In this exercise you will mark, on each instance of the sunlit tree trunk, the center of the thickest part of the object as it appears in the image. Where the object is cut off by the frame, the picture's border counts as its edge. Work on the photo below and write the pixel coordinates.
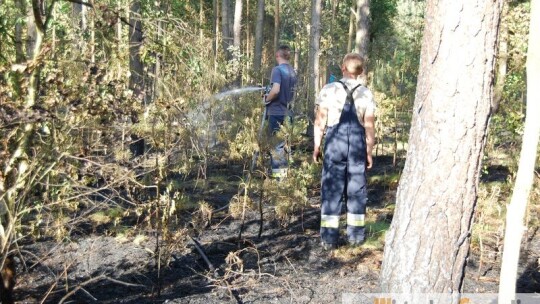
(515, 215)
(351, 31)
(428, 242)
(237, 29)
(259, 30)
(276, 24)
(314, 52)
(248, 44)
(237, 24)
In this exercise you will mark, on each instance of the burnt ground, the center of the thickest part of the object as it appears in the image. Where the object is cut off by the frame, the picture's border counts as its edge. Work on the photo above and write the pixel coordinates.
(285, 265)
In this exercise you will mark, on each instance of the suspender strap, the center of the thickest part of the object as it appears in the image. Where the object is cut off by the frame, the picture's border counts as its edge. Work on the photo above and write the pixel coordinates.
(349, 99)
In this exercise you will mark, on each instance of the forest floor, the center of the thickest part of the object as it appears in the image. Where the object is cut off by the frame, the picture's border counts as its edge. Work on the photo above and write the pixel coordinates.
(285, 265)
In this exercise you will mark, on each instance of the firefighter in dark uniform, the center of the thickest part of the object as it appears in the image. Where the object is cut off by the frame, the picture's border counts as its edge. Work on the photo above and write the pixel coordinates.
(346, 110)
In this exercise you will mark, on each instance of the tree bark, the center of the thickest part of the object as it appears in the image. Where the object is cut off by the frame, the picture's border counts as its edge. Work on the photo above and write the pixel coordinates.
(351, 32)
(237, 29)
(428, 241)
(276, 24)
(19, 45)
(136, 79)
(226, 38)
(362, 27)
(502, 61)
(136, 68)
(259, 30)
(515, 215)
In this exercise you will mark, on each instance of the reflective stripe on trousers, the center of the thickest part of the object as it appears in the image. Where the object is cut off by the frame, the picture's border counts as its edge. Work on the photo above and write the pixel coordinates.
(343, 177)
(279, 158)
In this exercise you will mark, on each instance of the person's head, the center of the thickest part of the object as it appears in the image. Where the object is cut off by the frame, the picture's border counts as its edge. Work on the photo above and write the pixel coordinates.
(353, 64)
(283, 53)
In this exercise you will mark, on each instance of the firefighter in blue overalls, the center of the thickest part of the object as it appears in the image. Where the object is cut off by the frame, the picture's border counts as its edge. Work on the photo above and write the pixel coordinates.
(347, 110)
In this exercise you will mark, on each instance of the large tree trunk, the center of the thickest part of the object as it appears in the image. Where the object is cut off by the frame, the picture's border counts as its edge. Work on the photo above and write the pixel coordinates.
(428, 241)
(362, 27)
(259, 29)
(226, 38)
(276, 24)
(515, 215)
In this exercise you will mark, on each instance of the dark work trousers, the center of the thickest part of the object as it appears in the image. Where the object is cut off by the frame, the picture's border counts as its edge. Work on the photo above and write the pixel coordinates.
(278, 155)
(344, 178)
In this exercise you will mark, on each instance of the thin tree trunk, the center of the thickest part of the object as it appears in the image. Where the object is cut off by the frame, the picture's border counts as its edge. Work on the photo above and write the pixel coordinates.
(515, 215)
(238, 39)
(351, 31)
(502, 60)
(276, 24)
(30, 33)
(248, 45)
(226, 34)
(216, 30)
(92, 34)
(79, 22)
(314, 52)
(19, 45)
(136, 79)
(259, 30)
(428, 242)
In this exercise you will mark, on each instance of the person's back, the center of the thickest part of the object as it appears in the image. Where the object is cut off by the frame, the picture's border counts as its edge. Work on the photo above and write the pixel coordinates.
(348, 110)
(283, 79)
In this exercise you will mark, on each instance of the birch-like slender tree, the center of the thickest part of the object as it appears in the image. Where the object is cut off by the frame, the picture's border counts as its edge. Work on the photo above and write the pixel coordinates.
(515, 214)
(237, 42)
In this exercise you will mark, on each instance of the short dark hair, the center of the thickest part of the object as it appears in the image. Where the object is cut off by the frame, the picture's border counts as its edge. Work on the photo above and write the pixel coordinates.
(284, 51)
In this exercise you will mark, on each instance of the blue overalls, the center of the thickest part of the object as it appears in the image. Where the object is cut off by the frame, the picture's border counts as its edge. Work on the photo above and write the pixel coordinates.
(344, 175)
